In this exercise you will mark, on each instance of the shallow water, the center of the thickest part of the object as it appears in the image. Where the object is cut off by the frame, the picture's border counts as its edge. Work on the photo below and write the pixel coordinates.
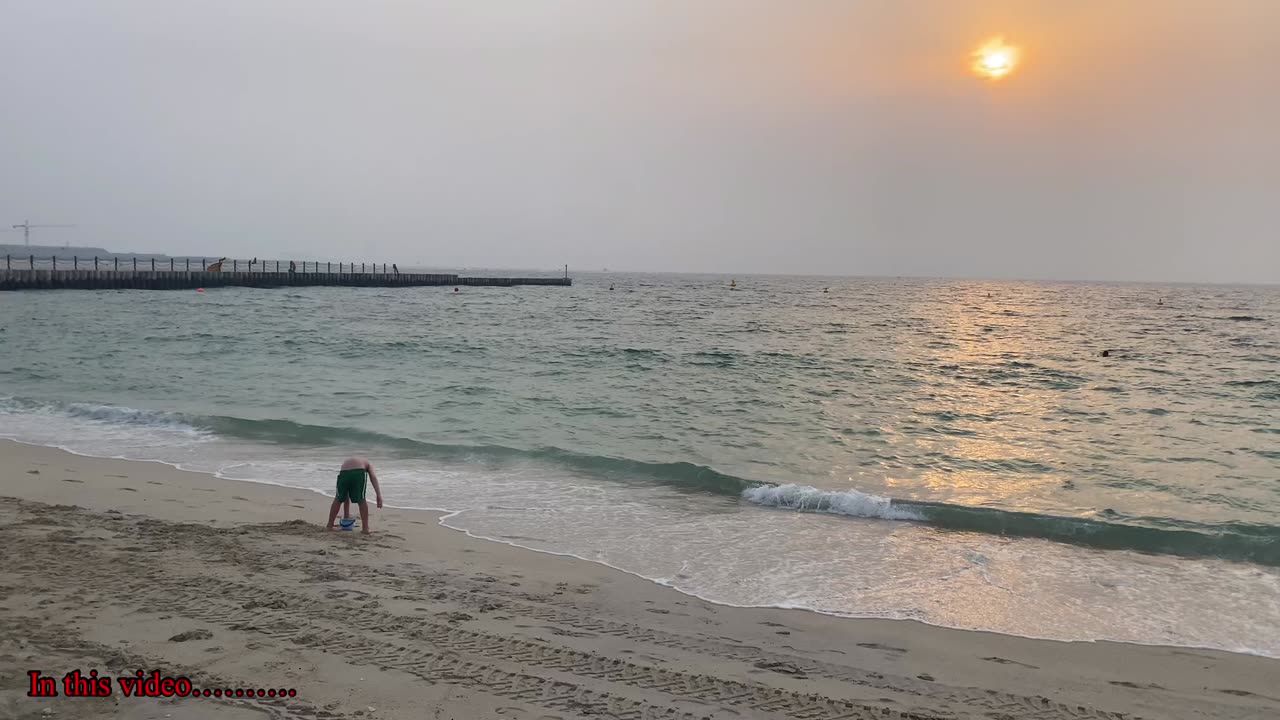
(952, 451)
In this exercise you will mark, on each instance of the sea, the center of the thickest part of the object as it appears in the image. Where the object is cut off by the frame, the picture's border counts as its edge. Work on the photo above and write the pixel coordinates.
(954, 452)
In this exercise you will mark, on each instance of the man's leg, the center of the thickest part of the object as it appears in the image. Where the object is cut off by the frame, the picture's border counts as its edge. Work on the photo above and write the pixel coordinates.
(333, 512)
(346, 509)
(364, 516)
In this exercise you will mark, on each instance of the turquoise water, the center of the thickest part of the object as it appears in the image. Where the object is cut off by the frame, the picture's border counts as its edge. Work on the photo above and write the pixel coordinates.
(950, 451)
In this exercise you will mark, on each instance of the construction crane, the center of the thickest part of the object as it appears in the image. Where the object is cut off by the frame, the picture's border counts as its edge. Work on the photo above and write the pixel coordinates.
(26, 229)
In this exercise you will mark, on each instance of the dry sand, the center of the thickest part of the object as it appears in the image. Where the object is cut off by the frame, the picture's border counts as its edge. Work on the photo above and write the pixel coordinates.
(108, 563)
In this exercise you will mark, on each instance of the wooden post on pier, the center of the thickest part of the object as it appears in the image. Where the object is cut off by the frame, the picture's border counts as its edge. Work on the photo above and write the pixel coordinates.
(55, 262)
(135, 264)
(75, 262)
(95, 262)
(117, 260)
(153, 264)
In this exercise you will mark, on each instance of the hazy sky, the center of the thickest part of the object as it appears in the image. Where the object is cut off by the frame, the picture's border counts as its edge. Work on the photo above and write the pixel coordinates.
(1139, 139)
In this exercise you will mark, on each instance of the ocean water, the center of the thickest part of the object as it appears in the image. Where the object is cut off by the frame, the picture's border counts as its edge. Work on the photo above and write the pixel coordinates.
(954, 452)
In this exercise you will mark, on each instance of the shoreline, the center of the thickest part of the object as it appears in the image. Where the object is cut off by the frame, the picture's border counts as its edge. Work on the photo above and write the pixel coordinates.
(426, 595)
(444, 514)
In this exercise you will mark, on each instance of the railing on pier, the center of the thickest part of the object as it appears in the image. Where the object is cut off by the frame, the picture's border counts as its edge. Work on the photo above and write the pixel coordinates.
(190, 264)
(192, 273)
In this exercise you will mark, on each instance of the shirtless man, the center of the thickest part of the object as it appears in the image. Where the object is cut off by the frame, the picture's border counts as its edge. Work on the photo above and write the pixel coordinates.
(351, 479)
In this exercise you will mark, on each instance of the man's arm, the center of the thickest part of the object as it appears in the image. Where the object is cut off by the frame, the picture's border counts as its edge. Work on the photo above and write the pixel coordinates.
(373, 479)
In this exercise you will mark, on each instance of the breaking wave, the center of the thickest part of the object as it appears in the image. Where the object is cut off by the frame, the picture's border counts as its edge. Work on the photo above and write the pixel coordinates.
(1107, 530)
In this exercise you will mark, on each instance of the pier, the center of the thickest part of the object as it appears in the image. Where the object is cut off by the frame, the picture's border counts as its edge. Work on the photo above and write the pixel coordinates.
(110, 274)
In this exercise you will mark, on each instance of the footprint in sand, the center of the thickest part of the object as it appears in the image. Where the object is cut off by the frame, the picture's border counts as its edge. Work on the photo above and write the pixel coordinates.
(72, 480)
(129, 489)
(1243, 693)
(569, 633)
(237, 497)
(783, 667)
(885, 648)
(153, 482)
(1004, 661)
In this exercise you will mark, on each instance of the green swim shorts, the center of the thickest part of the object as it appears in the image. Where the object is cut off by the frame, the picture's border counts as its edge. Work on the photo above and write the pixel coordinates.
(351, 485)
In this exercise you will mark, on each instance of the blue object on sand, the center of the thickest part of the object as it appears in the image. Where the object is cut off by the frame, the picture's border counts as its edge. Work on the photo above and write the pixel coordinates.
(347, 523)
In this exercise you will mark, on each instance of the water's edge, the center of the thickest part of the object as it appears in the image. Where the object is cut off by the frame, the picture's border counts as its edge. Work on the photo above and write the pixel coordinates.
(1105, 530)
(444, 515)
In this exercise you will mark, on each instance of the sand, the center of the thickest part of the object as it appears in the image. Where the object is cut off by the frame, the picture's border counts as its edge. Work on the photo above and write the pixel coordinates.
(119, 566)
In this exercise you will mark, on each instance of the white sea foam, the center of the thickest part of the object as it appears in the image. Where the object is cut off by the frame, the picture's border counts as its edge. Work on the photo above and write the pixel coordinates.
(100, 430)
(115, 414)
(845, 502)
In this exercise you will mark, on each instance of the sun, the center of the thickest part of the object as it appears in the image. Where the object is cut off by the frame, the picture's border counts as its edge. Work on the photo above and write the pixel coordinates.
(995, 59)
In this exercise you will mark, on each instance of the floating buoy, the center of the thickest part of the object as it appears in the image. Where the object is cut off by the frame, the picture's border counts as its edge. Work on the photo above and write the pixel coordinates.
(199, 289)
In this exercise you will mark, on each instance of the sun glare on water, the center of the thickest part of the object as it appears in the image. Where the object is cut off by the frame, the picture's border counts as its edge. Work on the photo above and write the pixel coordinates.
(995, 59)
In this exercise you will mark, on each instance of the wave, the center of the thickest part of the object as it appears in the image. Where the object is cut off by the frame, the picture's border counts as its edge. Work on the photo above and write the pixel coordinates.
(1240, 542)
(848, 502)
(110, 414)
(681, 475)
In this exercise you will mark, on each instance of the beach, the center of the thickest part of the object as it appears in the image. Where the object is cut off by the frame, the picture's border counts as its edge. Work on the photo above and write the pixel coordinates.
(827, 361)
(947, 451)
(119, 566)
